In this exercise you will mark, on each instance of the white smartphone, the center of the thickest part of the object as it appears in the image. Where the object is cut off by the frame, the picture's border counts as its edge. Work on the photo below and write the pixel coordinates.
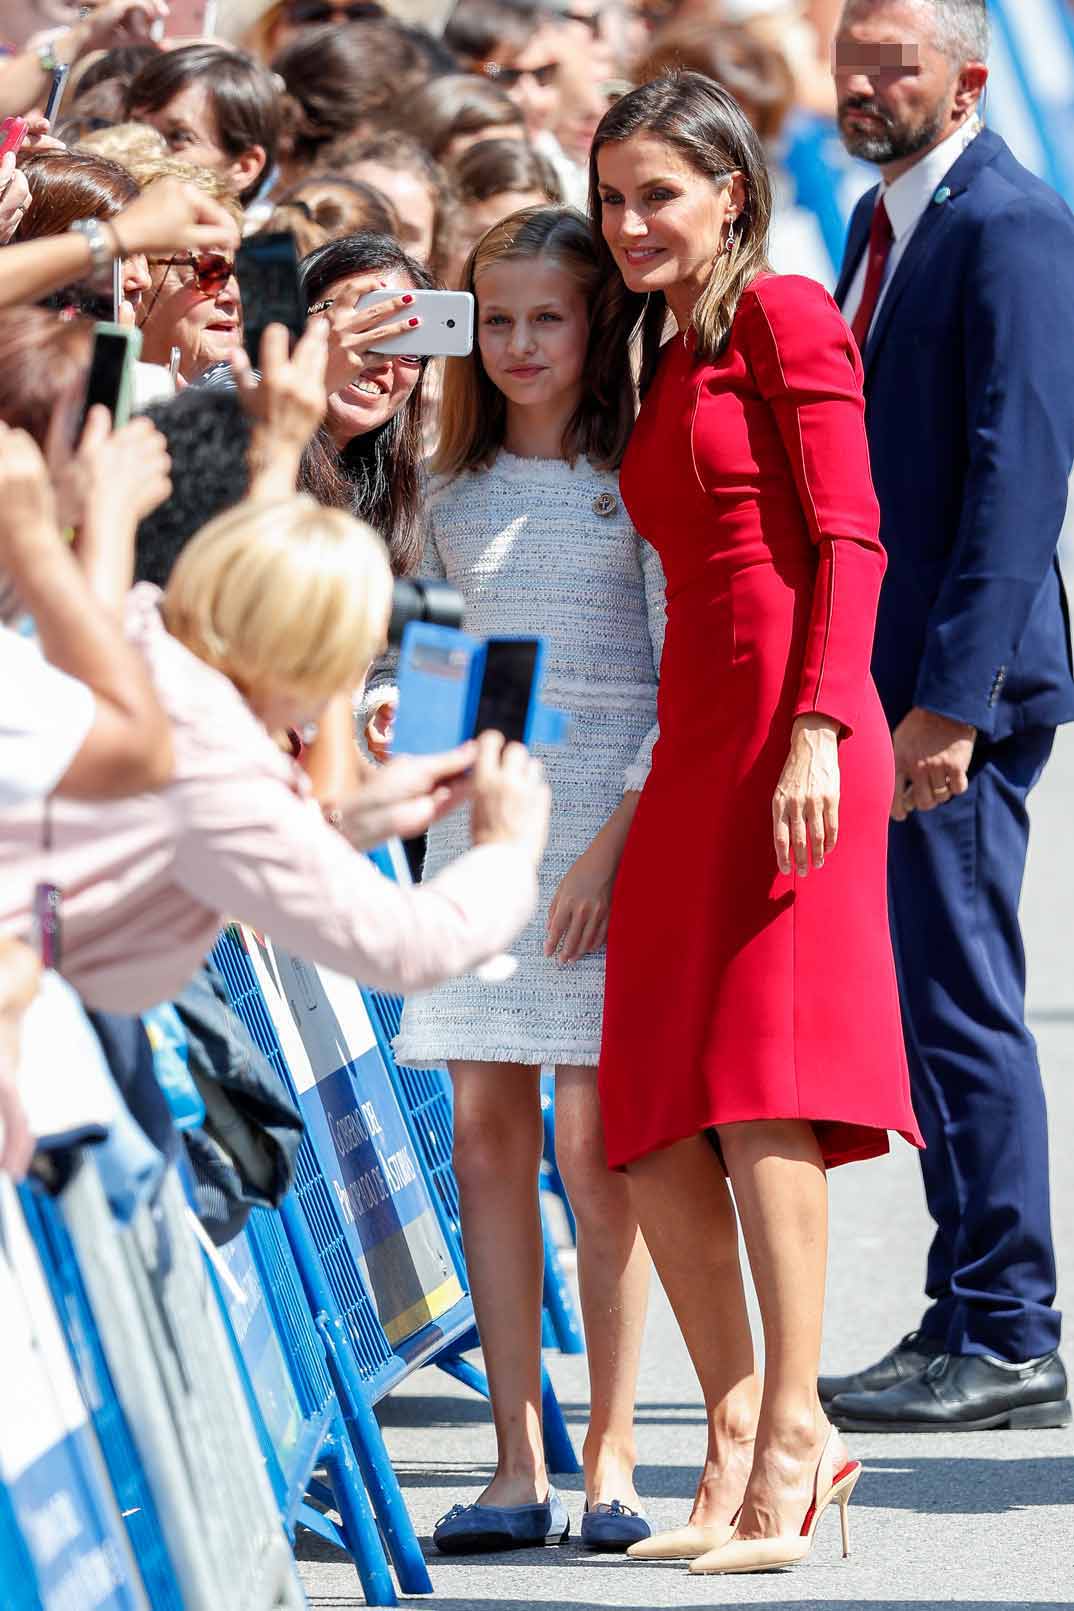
(447, 323)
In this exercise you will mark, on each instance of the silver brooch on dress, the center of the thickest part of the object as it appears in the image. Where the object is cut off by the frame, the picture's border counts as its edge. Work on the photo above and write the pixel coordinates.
(605, 503)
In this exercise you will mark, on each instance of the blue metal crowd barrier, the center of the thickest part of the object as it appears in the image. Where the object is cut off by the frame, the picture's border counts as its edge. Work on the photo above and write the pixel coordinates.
(62, 1541)
(126, 1473)
(364, 1365)
(300, 1420)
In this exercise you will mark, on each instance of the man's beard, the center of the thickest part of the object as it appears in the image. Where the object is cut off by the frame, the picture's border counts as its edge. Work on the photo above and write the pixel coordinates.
(891, 143)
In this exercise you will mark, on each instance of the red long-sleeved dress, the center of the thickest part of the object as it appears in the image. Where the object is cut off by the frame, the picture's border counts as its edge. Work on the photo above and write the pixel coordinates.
(734, 992)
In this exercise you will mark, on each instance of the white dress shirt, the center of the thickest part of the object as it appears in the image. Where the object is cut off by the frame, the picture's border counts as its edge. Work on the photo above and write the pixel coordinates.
(907, 199)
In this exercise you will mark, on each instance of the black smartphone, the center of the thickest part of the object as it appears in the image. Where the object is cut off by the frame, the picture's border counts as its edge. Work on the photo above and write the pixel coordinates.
(55, 95)
(508, 688)
(111, 373)
(266, 268)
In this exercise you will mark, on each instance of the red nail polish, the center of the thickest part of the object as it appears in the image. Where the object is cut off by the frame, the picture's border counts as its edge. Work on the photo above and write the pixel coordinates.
(408, 298)
(413, 322)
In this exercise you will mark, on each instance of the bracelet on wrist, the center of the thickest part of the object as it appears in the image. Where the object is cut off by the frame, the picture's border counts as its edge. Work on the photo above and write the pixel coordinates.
(92, 231)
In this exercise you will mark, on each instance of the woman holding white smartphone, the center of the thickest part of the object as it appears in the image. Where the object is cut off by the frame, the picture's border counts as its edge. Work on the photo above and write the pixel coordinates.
(367, 456)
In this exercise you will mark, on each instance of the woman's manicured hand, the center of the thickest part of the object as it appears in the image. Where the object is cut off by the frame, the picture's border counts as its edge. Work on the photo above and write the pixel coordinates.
(353, 333)
(805, 806)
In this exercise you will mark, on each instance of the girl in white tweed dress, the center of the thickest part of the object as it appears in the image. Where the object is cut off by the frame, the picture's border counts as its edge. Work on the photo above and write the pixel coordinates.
(526, 521)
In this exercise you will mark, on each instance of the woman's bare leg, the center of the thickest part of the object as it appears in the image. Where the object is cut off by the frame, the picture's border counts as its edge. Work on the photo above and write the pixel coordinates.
(498, 1143)
(781, 1190)
(688, 1222)
(613, 1280)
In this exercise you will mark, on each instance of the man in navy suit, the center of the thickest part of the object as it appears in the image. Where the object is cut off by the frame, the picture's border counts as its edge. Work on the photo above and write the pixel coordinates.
(958, 283)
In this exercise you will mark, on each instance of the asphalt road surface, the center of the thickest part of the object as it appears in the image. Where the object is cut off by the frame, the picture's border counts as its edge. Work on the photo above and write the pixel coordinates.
(974, 1520)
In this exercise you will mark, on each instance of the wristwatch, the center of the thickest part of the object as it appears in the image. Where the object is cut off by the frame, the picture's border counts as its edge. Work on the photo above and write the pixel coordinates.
(102, 251)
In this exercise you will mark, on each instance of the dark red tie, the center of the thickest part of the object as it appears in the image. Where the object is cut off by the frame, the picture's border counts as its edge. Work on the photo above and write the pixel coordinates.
(880, 239)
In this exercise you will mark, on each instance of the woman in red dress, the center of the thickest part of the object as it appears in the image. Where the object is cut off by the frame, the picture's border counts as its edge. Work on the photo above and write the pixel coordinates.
(752, 1025)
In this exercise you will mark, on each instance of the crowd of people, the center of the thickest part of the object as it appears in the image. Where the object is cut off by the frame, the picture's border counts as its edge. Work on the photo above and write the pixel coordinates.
(793, 559)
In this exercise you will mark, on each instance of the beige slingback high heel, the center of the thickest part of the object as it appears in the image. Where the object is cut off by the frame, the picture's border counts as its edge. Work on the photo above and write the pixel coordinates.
(765, 1554)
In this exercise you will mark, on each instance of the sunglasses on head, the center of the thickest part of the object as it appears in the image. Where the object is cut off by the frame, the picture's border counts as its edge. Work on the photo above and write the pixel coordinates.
(508, 77)
(312, 11)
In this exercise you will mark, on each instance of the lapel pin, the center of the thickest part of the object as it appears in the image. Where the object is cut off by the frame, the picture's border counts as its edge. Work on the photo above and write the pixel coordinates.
(605, 503)
(942, 195)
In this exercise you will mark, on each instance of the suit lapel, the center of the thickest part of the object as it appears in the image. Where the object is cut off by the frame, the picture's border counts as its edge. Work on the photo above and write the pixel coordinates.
(857, 240)
(929, 233)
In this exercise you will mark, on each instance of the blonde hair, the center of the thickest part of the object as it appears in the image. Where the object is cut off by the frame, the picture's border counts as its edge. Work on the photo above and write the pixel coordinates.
(145, 171)
(283, 596)
(474, 411)
(126, 143)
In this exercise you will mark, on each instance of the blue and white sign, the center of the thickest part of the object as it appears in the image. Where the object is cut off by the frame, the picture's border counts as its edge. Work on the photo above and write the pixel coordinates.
(49, 1461)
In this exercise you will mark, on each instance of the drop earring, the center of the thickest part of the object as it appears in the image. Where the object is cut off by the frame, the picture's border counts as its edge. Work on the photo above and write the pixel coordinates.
(730, 241)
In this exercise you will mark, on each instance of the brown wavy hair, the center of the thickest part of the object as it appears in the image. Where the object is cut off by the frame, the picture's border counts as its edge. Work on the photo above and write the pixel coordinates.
(706, 126)
(43, 360)
(474, 412)
(65, 185)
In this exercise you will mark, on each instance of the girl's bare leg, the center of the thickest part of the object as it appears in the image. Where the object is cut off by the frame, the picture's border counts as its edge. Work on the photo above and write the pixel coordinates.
(498, 1143)
(613, 1280)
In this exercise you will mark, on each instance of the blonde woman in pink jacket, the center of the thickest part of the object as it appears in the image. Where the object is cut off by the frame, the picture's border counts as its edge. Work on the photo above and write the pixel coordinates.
(272, 610)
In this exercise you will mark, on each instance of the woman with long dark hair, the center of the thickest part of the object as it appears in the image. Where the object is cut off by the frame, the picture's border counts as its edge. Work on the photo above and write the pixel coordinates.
(752, 1029)
(367, 455)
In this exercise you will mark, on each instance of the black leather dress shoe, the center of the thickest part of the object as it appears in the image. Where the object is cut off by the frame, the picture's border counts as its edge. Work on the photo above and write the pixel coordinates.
(909, 1358)
(963, 1393)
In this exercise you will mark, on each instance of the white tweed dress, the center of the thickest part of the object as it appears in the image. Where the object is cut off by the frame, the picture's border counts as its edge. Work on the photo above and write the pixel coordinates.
(527, 546)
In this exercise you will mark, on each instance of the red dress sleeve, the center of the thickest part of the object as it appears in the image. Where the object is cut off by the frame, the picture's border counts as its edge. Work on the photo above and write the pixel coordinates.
(807, 368)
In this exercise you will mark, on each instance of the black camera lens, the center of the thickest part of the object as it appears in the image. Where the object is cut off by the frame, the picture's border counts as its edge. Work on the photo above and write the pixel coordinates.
(451, 324)
(418, 598)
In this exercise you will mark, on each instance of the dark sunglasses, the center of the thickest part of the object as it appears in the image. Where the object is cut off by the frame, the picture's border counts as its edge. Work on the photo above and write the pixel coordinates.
(508, 77)
(212, 270)
(311, 11)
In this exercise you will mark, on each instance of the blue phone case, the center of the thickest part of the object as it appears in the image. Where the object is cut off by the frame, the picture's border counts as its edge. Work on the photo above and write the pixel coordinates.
(440, 673)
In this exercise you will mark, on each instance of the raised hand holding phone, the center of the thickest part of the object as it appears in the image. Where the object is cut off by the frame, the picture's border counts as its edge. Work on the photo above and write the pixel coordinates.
(287, 405)
(444, 327)
(357, 331)
(266, 267)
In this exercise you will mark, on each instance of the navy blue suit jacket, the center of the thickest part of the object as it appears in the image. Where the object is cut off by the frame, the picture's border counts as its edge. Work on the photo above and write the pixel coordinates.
(969, 385)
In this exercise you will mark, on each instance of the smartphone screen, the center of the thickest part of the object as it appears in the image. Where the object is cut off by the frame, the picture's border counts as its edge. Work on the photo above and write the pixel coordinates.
(267, 271)
(105, 382)
(507, 688)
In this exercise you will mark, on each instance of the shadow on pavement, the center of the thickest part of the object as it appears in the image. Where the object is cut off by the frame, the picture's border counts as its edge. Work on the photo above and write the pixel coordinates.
(442, 1603)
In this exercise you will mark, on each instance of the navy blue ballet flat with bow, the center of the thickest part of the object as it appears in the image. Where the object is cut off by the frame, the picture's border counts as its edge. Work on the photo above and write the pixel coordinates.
(486, 1529)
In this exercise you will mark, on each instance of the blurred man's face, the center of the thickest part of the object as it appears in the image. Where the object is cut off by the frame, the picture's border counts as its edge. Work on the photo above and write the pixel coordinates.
(895, 91)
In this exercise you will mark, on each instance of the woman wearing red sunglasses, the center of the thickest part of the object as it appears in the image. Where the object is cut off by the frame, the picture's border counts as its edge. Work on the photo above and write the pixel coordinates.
(194, 301)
